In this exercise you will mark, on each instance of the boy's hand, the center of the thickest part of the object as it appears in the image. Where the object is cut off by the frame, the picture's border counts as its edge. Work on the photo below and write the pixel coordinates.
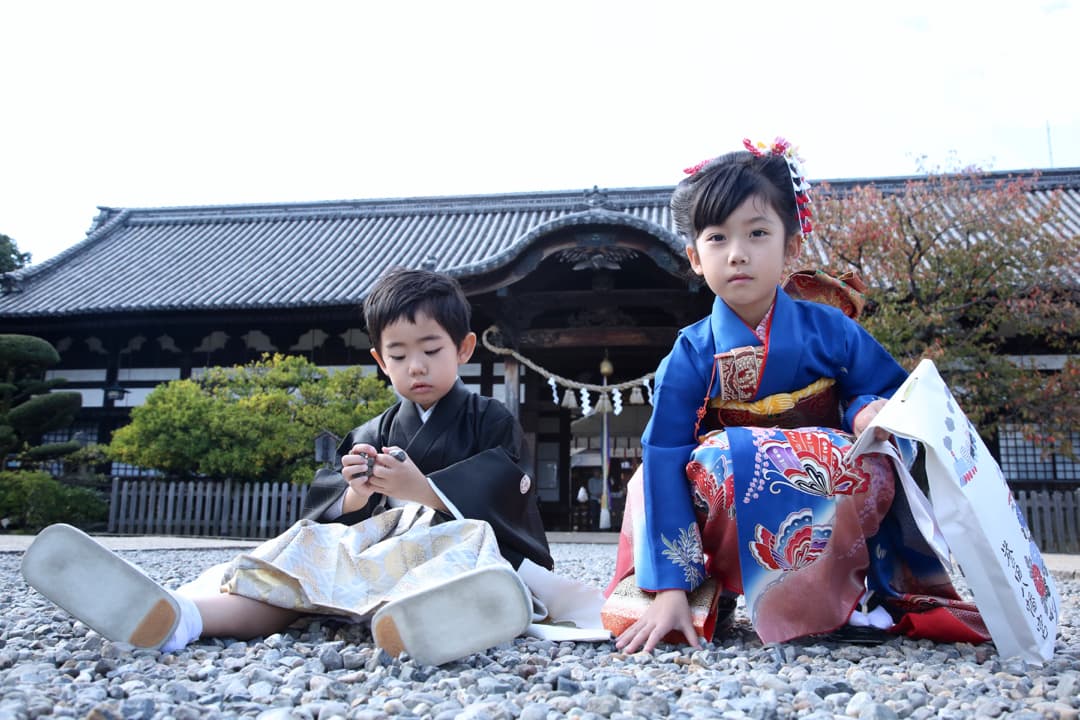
(356, 469)
(669, 610)
(395, 475)
(865, 416)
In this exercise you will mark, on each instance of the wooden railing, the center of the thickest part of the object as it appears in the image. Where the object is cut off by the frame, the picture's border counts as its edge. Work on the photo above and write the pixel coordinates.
(262, 510)
(203, 507)
(1053, 518)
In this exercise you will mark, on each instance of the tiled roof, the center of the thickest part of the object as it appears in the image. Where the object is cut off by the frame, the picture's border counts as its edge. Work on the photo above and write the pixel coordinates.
(293, 255)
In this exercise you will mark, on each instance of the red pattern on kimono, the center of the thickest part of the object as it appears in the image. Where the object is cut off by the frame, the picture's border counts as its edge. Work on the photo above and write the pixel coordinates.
(740, 373)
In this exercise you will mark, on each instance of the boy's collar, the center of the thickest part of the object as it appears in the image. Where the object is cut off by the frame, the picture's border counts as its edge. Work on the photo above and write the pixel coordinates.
(425, 414)
(457, 390)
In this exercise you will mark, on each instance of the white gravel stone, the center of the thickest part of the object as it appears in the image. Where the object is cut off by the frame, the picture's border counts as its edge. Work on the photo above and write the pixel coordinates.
(53, 666)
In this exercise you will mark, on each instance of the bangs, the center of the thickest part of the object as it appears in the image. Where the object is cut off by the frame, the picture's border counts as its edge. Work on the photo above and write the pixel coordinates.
(718, 196)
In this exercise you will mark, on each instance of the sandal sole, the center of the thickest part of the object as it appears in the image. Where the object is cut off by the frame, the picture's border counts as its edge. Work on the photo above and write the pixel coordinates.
(468, 614)
(99, 588)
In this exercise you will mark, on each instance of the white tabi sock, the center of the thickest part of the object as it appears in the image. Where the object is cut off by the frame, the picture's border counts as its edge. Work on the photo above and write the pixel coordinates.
(878, 618)
(190, 626)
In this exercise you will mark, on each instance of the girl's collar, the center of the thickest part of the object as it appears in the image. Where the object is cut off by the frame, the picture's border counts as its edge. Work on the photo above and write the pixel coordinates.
(729, 330)
(762, 329)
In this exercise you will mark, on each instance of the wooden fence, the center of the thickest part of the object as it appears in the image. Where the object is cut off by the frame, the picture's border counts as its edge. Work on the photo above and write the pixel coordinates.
(261, 510)
(203, 507)
(1053, 518)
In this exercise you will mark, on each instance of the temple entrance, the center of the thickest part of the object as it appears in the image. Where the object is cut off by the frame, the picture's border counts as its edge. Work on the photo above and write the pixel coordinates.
(582, 296)
(598, 480)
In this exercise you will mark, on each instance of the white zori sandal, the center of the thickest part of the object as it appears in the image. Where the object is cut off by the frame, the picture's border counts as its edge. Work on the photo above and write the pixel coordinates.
(99, 587)
(466, 614)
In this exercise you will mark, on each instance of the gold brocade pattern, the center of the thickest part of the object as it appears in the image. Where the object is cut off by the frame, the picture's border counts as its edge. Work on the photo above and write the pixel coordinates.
(817, 405)
(352, 570)
(441, 544)
(367, 570)
(846, 292)
(627, 603)
(774, 404)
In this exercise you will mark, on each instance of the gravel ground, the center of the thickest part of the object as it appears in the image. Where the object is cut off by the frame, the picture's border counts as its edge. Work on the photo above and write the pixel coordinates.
(52, 667)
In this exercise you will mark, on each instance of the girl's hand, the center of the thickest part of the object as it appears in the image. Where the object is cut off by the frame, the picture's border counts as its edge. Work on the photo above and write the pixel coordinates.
(865, 416)
(668, 611)
(356, 469)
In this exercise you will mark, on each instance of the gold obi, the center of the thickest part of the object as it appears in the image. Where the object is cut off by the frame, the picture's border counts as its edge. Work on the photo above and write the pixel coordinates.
(817, 404)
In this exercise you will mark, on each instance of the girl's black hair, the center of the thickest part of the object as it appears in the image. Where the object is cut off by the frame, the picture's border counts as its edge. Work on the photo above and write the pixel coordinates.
(711, 194)
(402, 293)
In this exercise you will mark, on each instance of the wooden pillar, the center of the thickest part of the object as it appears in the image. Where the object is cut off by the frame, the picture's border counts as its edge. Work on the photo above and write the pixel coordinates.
(512, 385)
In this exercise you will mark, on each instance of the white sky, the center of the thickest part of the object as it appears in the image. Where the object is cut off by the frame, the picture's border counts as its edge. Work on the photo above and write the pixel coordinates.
(148, 104)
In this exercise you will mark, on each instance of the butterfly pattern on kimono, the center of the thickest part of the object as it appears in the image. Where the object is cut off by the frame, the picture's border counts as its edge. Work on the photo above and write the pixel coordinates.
(796, 543)
(813, 464)
(713, 489)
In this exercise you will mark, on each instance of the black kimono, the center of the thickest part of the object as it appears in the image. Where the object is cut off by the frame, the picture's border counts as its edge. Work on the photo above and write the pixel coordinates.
(469, 448)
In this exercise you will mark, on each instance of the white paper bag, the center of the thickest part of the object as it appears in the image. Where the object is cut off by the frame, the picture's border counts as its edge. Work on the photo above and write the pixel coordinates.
(572, 607)
(977, 516)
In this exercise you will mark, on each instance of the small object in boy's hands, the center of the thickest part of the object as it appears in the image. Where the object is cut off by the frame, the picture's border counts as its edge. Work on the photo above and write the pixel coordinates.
(370, 464)
(398, 454)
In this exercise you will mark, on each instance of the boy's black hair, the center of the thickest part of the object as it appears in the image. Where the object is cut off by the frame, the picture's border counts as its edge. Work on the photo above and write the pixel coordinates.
(710, 195)
(402, 293)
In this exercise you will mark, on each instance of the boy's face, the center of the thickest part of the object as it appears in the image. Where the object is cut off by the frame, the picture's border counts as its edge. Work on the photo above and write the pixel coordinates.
(421, 359)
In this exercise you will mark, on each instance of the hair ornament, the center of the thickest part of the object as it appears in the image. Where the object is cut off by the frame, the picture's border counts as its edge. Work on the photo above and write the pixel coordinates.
(782, 148)
(695, 169)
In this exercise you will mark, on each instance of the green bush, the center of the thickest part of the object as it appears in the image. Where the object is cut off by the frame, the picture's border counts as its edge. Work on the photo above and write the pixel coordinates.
(255, 422)
(31, 500)
(27, 354)
(28, 406)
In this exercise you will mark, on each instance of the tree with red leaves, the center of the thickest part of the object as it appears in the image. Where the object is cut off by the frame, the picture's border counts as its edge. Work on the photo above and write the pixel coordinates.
(977, 273)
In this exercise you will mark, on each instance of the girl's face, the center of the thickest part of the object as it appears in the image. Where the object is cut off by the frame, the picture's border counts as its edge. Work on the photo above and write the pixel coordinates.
(743, 258)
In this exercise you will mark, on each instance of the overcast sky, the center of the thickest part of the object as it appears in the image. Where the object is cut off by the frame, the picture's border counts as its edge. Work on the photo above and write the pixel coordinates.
(149, 104)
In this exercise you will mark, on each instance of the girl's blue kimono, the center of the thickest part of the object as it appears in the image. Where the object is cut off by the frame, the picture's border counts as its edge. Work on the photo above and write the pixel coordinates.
(764, 504)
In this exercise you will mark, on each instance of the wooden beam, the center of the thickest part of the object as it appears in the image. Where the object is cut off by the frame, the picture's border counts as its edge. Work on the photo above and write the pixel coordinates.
(597, 337)
(578, 299)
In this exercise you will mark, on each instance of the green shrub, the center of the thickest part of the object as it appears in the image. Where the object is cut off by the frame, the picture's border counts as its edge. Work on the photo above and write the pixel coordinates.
(255, 422)
(31, 500)
(29, 407)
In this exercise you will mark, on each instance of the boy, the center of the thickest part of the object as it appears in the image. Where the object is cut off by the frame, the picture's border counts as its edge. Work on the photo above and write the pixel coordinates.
(465, 447)
(424, 523)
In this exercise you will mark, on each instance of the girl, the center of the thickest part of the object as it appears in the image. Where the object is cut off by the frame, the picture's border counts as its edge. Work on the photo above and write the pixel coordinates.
(772, 512)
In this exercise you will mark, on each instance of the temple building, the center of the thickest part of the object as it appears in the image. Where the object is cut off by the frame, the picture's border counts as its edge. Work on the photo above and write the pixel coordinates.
(559, 281)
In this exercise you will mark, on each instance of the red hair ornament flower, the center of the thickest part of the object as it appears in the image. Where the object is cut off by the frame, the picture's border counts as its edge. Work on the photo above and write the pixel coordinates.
(782, 148)
(695, 169)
